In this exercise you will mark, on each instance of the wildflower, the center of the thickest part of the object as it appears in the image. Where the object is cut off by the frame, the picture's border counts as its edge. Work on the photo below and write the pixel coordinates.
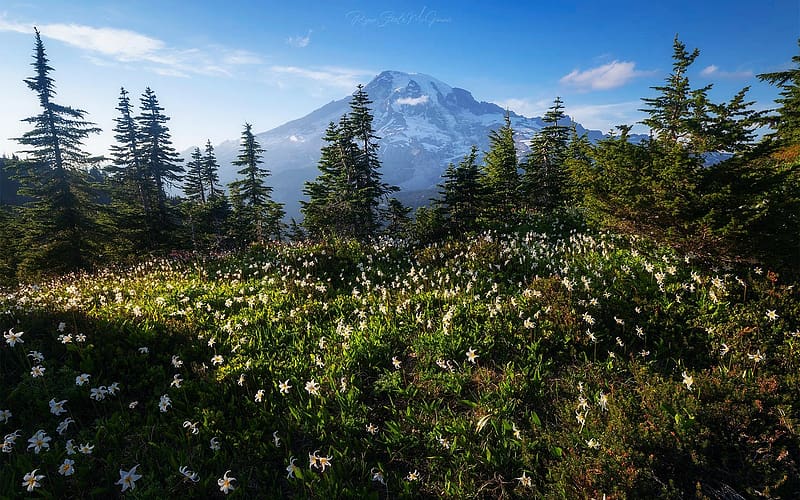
(191, 426)
(12, 339)
(133, 404)
(62, 426)
(57, 408)
(588, 318)
(757, 357)
(217, 359)
(98, 393)
(284, 386)
(86, 448)
(39, 440)
(343, 384)
(581, 418)
(688, 380)
(396, 362)
(163, 403)
(583, 404)
(292, 469)
(189, 474)
(241, 380)
(80, 337)
(377, 475)
(81, 379)
(312, 387)
(758, 270)
(65, 339)
(176, 381)
(471, 356)
(723, 350)
(9, 441)
(224, 483)
(142, 350)
(413, 476)
(70, 446)
(372, 428)
(214, 444)
(113, 389)
(771, 315)
(276, 439)
(37, 371)
(259, 395)
(31, 480)
(593, 443)
(62, 326)
(444, 443)
(37, 356)
(67, 468)
(5, 415)
(602, 401)
(524, 480)
(528, 323)
(176, 361)
(517, 432)
(127, 479)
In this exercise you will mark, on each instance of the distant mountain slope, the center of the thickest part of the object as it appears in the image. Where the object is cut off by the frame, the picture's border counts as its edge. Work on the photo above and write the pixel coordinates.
(424, 124)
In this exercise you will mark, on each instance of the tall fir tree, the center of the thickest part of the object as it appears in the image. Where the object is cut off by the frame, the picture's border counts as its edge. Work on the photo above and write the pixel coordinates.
(253, 195)
(544, 181)
(460, 194)
(194, 181)
(161, 163)
(210, 171)
(61, 226)
(501, 175)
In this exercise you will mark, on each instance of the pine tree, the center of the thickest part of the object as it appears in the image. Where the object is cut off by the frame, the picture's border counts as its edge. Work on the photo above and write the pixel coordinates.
(397, 218)
(194, 181)
(210, 169)
(501, 176)
(253, 194)
(61, 228)
(544, 180)
(161, 163)
(461, 193)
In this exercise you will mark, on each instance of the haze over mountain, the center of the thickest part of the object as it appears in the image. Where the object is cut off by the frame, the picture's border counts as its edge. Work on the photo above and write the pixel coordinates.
(423, 123)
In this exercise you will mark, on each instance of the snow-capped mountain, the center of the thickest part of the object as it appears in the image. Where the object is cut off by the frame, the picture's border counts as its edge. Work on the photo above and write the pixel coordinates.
(424, 124)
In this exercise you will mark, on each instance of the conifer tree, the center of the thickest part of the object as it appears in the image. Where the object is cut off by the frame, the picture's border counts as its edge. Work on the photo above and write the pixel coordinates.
(397, 218)
(461, 193)
(501, 176)
(194, 181)
(544, 180)
(210, 169)
(60, 223)
(161, 163)
(786, 122)
(253, 196)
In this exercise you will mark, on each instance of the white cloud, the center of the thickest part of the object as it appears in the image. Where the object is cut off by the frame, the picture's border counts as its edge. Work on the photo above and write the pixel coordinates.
(605, 117)
(413, 101)
(526, 107)
(713, 70)
(329, 75)
(608, 76)
(299, 41)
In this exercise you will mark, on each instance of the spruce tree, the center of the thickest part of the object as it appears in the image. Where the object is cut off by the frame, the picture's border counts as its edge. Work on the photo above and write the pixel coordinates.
(253, 195)
(461, 193)
(194, 181)
(210, 169)
(786, 122)
(544, 180)
(501, 176)
(61, 229)
(161, 163)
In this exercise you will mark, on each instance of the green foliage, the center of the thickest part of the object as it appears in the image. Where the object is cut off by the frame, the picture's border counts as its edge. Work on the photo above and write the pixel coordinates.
(461, 194)
(544, 183)
(500, 176)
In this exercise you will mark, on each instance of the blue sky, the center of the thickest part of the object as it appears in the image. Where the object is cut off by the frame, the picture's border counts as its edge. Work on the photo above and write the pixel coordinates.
(215, 65)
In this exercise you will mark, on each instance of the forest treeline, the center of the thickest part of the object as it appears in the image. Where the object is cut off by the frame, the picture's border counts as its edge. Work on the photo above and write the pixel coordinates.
(709, 180)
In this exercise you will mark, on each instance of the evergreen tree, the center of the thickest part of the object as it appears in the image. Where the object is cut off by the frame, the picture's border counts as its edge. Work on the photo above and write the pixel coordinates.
(461, 192)
(60, 224)
(194, 180)
(161, 163)
(544, 180)
(397, 218)
(501, 177)
(253, 199)
(210, 169)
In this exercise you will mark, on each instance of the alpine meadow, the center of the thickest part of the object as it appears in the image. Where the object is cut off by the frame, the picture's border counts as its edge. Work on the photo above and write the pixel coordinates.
(407, 293)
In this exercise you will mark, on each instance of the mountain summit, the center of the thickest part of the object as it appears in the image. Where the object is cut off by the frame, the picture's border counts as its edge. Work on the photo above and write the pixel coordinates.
(423, 123)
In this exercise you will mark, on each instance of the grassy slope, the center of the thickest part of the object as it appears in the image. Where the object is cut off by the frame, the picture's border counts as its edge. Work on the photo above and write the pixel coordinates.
(604, 366)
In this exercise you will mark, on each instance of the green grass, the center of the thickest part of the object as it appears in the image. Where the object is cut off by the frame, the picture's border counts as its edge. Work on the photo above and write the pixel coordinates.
(582, 341)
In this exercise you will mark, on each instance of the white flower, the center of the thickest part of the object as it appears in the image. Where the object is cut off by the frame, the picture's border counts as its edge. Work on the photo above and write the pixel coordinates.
(39, 440)
(176, 361)
(163, 403)
(12, 339)
(5, 415)
(176, 381)
(517, 432)
(189, 474)
(723, 349)
(471, 356)
(70, 446)
(413, 476)
(191, 426)
(98, 393)
(224, 483)
(217, 359)
(688, 380)
(372, 428)
(80, 337)
(62, 326)
(602, 401)
(772, 315)
(259, 395)
(113, 388)
(758, 357)
(57, 408)
(292, 469)
(86, 448)
(67, 468)
(312, 387)
(31, 480)
(81, 379)
(127, 479)
(241, 380)
(62, 426)
(276, 439)
(593, 443)
(396, 362)
(214, 444)
(524, 480)
(284, 386)
(142, 350)
(37, 371)
(37, 356)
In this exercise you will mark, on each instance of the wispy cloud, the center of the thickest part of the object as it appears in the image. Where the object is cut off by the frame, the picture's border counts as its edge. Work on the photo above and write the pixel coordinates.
(105, 46)
(605, 117)
(608, 76)
(346, 78)
(413, 101)
(713, 70)
(526, 107)
(299, 41)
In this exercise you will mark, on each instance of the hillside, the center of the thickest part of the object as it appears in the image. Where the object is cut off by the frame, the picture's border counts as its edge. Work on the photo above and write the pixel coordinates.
(557, 362)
